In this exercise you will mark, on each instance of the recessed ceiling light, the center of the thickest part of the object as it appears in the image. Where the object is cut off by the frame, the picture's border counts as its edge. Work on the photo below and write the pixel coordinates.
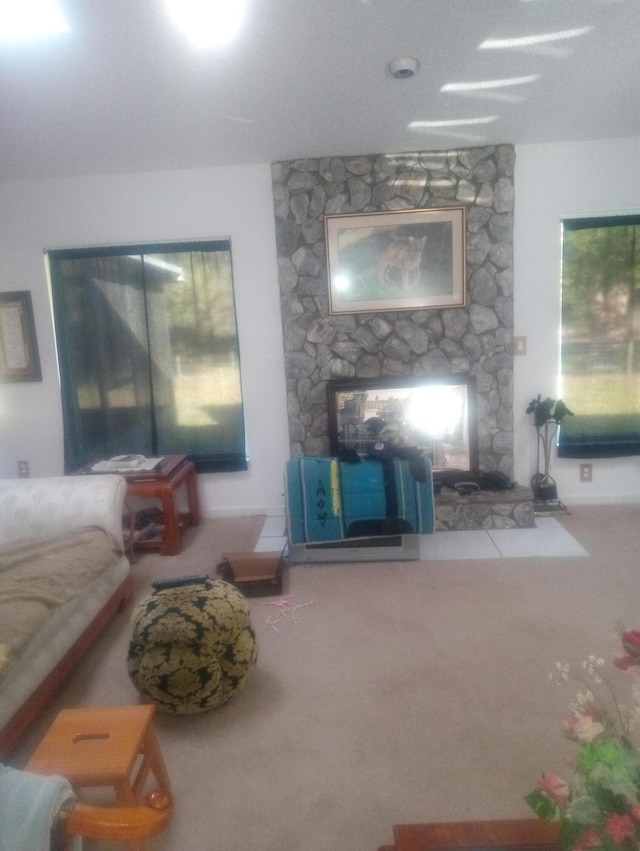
(453, 122)
(483, 85)
(449, 135)
(492, 95)
(25, 19)
(207, 23)
(530, 40)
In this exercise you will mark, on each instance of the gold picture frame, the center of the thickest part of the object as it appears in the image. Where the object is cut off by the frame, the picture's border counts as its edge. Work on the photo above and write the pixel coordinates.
(400, 260)
(19, 358)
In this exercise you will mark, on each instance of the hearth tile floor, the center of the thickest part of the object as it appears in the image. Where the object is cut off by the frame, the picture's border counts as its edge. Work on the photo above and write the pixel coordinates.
(451, 546)
(273, 535)
(548, 539)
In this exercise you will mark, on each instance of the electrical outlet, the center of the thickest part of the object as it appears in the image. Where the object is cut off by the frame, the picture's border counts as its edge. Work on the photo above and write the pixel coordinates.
(23, 469)
(586, 472)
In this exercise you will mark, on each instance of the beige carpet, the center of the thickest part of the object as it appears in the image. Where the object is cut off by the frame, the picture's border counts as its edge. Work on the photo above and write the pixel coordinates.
(415, 691)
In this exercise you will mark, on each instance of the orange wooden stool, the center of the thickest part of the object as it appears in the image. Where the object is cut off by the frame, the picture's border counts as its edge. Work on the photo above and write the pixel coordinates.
(104, 746)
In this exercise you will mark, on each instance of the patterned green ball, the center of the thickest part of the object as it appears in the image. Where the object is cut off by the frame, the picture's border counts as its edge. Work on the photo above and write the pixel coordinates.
(192, 647)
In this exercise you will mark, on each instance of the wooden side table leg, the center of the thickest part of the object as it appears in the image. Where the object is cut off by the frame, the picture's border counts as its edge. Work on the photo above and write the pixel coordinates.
(124, 793)
(125, 797)
(171, 538)
(193, 497)
(152, 761)
(130, 545)
(158, 766)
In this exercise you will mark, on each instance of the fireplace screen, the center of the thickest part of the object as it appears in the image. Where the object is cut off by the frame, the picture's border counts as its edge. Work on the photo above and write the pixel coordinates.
(435, 415)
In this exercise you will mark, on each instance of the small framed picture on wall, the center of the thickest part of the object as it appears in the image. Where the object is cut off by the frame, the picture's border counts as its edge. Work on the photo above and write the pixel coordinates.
(19, 358)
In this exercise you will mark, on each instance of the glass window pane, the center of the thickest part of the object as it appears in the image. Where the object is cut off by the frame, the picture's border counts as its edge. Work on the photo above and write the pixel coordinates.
(149, 355)
(600, 333)
(195, 356)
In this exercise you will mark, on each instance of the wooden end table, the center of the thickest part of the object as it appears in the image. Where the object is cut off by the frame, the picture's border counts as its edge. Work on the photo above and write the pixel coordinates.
(163, 484)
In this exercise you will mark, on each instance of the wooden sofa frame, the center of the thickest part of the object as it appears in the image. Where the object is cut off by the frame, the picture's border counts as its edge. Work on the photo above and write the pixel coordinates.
(14, 730)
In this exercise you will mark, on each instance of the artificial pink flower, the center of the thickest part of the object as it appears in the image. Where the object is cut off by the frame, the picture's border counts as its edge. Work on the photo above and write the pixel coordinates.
(589, 839)
(631, 644)
(555, 787)
(634, 811)
(625, 662)
(619, 827)
(631, 641)
(582, 726)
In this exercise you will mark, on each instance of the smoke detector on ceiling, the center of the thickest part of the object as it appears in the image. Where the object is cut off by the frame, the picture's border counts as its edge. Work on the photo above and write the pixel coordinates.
(403, 68)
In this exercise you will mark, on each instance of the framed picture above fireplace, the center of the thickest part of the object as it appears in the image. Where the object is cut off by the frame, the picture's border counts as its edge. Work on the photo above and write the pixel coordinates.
(399, 260)
(433, 414)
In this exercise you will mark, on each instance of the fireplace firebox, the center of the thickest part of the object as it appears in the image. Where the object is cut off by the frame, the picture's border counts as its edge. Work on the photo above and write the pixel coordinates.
(435, 415)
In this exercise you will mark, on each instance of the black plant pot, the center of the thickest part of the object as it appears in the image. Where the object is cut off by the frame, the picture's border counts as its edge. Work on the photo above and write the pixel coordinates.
(543, 484)
(544, 488)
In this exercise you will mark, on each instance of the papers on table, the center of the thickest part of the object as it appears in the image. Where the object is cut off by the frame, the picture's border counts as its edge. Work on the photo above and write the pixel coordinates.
(126, 464)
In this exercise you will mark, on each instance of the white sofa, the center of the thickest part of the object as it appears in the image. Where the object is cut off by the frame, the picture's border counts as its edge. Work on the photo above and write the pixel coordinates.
(61, 537)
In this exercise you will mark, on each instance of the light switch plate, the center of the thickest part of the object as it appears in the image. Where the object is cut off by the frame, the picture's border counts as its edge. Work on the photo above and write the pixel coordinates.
(519, 345)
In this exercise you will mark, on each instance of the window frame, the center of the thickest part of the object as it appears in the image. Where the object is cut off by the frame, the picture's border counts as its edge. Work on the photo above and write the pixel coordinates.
(582, 435)
(75, 456)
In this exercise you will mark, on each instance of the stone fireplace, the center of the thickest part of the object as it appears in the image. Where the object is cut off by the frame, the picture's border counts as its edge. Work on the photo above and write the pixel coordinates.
(436, 417)
(474, 340)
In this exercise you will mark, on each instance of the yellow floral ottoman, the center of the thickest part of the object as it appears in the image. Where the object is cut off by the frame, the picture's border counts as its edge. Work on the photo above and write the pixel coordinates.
(192, 647)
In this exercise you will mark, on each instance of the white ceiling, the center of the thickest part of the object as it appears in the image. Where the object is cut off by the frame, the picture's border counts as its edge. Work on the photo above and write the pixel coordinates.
(124, 91)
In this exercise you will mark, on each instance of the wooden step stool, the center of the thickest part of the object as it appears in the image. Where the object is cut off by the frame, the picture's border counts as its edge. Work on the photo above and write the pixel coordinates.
(104, 746)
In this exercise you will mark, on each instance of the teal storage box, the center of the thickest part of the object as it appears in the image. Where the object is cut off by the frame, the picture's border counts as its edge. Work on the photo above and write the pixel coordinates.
(325, 497)
(313, 500)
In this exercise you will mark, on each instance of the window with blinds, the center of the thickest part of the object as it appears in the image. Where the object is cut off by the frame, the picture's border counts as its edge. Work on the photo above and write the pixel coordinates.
(600, 352)
(148, 353)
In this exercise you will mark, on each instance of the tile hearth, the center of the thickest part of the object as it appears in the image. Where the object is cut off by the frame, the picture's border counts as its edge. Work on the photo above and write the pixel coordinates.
(547, 539)
(480, 511)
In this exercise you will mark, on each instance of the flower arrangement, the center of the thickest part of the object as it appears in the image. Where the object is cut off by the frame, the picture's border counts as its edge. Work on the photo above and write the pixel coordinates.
(600, 806)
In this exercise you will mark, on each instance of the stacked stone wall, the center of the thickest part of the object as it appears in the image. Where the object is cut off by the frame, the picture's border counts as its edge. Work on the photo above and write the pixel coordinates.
(476, 339)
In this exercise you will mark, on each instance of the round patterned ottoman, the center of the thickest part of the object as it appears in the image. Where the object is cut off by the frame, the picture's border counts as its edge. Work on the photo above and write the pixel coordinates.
(192, 647)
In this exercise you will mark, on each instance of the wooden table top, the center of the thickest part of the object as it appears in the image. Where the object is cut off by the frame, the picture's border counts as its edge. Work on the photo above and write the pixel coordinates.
(165, 468)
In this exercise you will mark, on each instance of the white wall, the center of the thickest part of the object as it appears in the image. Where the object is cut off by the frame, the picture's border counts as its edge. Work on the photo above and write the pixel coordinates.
(553, 182)
(234, 202)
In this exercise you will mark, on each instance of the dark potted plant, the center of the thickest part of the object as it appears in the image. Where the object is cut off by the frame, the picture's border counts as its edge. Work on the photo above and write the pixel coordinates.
(547, 416)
